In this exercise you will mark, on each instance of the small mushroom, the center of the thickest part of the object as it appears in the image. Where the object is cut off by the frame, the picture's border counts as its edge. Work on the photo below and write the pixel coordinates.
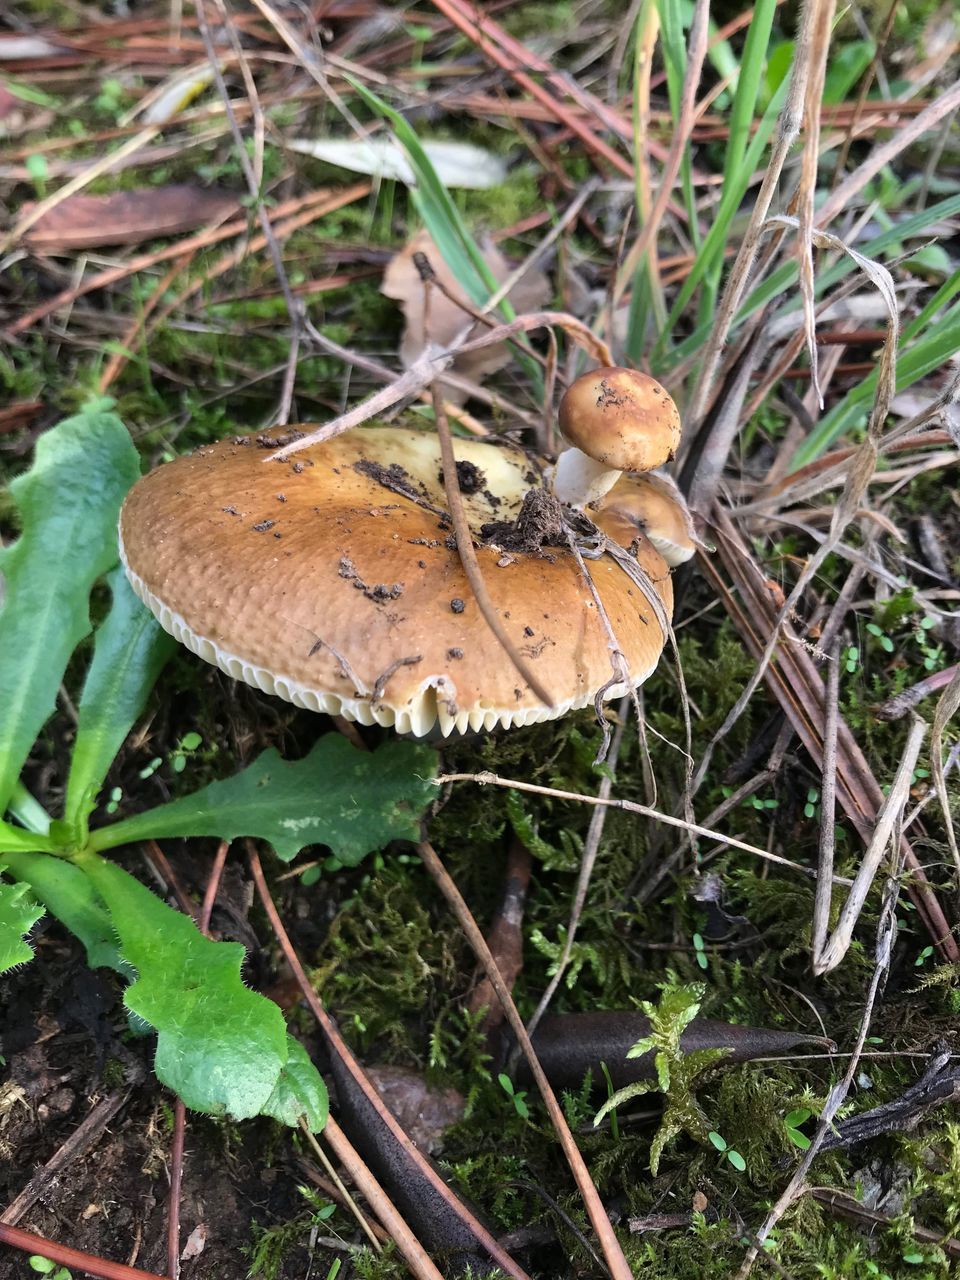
(615, 420)
(655, 505)
(345, 598)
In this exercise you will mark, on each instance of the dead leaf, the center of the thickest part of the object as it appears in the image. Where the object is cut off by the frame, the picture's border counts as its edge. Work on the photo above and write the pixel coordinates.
(444, 319)
(19, 414)
(128, 217)
(423, 1112)
(196, 1242)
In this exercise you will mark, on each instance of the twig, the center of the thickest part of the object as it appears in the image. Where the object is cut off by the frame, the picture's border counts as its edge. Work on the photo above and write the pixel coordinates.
(75, 1259)
(828, 805)
(78, 1144)
(630, 806)
(176, 1183)
(386, 1211)
(619, 1268)
(946, 708)
(886, 932)
(591, 847)
(468, 557)
(433, 362)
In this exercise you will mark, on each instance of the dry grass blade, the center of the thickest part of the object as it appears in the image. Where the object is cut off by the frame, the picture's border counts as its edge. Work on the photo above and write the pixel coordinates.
(646, 237)
(946, 709)
(881, 156)
(859, 472)
(433, 362)
(797, 685)
(886, 931)
(89, 174)
(891, 813)
(821, 24)
(630, 806)
(324, 200)
(613, 1254)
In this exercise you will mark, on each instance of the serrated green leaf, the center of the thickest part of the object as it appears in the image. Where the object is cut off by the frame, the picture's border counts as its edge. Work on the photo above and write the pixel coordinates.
(68, 504)
(130, 649)
(220, 1046)
(300, 1091)
(18, 914)
(70, 896)
(352, 801)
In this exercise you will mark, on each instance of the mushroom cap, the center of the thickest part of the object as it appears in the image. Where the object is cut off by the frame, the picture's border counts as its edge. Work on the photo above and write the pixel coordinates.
(622, 418)
(656, 506)
(331, 580)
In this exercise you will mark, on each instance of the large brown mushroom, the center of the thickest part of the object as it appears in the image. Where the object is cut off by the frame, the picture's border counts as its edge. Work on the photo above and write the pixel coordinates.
(332, 580)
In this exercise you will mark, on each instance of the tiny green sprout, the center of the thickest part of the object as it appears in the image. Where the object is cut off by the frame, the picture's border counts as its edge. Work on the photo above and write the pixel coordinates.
(886, 644)
(810, 808)
(518, 1099)
(792, 1122)
(310, 875)
(758, 803)
(37, 169)
(923, 957)
(44, 1267)
(113, 804)
(187, 745)
(919, 775)
(334, 1271)
(913, 1256)
(151, 768)
(735, 1158)
(701, 954)
(851, 659)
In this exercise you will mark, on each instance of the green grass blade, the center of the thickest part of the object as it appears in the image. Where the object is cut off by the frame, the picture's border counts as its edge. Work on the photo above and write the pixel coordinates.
(130, 650)
(68, 504)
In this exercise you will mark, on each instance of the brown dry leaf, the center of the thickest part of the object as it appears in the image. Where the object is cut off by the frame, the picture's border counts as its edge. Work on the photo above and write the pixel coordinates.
(128, 217)
(425, 1113)
(444, 319)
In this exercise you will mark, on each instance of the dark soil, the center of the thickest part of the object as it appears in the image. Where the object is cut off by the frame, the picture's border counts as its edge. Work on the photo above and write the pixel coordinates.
(67, 1047)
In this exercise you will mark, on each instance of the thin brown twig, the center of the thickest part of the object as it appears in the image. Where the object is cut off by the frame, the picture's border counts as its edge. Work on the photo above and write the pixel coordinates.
(612, 1252)
(486, 779)
(468, 557)
(385, 1210)
(75, 1259)
(176, 1184)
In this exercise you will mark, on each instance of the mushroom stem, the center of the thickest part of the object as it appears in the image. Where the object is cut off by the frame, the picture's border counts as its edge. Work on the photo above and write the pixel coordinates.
(579, 479)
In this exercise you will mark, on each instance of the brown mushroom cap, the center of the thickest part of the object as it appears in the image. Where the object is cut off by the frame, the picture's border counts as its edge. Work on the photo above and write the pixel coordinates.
(657, 507)
(622, 418)
(331, 580)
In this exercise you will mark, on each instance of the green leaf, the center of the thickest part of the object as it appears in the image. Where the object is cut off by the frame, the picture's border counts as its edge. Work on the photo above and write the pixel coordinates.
(220, 1046)
(352, 801)
(793, 1119)
(130, 649)
(69, 895)
(299, 1091)
(16, 840)
(68, 504)
(628, 1092)
(737, 1160)
(718, 1140)
(18, 914)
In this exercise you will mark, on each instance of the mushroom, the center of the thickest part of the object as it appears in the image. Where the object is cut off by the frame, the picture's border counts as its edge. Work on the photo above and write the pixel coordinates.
(615, 420)
(331, 579)
(655, 505)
